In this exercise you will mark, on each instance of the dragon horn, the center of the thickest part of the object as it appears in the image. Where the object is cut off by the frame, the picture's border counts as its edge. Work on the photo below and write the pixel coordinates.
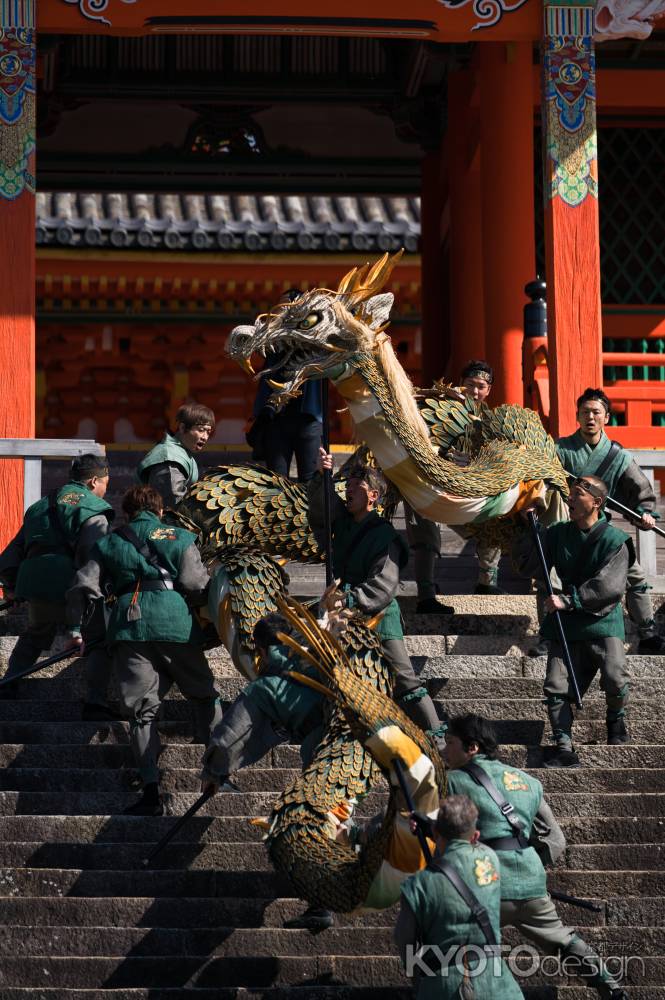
(362, 283)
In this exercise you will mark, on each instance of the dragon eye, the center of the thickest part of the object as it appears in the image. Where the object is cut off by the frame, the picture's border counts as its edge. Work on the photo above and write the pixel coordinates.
(309, 321)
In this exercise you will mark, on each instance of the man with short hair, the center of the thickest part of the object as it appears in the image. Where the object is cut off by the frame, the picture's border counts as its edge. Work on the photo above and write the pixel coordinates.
(439, 909)
(38, 566)
(155, 573)
(170, 467)
(515, 821)
(368, 554)
(591, 558)
(589, 451)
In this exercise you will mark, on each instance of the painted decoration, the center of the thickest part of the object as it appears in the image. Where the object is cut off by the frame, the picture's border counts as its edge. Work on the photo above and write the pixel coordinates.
(488, 12)
(569, 104)
(94, 10)
(17, 102)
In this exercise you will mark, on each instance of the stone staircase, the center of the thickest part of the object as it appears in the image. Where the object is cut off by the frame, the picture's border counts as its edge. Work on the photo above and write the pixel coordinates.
(80, 919)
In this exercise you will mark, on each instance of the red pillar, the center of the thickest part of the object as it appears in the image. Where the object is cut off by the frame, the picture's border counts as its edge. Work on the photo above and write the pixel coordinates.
(435, 322)
(572, 251)
(17, 253)
(506, 131)
(467, 317)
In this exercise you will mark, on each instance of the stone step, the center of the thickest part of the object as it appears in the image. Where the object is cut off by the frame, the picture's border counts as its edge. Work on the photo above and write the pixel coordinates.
(235, 829)
(255, 971)
(39, 882)
(188, 912)
(530, 731)
(243, 856)
(327, 992)
(266, 779)
(260, 942)
(497, 707)
(188, 755)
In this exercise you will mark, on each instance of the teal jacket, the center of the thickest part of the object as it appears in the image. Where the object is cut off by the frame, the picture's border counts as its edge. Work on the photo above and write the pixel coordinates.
(164, 614)
(49, 544)
(522, 872)
(169, 449)
(443, 919)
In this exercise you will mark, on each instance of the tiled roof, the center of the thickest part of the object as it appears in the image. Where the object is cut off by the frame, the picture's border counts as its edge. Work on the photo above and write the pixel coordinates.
(255, 223)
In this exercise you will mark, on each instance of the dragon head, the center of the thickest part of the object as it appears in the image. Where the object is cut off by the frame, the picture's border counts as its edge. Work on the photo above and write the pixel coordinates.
(316, 334)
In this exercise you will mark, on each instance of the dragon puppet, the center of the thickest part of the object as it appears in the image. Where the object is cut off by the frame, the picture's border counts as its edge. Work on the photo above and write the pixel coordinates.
(251, 521)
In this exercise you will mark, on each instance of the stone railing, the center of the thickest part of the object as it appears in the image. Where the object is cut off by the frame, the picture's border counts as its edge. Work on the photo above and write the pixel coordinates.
(34, 451)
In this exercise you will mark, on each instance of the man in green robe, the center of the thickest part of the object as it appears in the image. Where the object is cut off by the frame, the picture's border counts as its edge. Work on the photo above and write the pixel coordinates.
(170, 467)
(155, 574)
(271, 709)
(38, 566)
(589, 451)
(368, 554)
(440, 941)
(515, 820)
(592, 559)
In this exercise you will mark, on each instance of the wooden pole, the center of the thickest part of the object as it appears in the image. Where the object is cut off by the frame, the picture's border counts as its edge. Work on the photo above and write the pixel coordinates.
(572, 251)
(507, 165)
(17, 250)
(467, 317)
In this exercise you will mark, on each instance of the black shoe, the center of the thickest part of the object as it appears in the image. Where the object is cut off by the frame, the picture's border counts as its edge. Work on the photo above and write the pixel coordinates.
(313, 920)
(150, 803)
(540, 649)
(619, 995)
(430, 606)
(91, 712)
(654, 644)
(561, 757)
(226, 785)
(489, 589)
(617, 733)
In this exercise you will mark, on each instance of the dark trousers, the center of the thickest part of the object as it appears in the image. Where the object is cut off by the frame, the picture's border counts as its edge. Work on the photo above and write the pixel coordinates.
(292, 434)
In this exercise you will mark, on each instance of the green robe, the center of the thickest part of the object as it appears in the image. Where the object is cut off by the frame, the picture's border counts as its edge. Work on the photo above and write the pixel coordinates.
(355, 548)
(580, 459)
(47, 573)
(169, 449)
(444, 920)
(165, 615)
(289, 704)
(522, 872)
(578, 556)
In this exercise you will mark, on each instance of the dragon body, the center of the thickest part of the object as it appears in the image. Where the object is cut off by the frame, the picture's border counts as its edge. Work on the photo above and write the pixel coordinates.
(250, 521)
(308, 836)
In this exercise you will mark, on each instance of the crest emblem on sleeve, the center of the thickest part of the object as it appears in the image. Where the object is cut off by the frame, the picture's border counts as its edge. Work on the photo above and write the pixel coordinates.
(485, 871)
(514, 782)
(163, 535)
(72, 499)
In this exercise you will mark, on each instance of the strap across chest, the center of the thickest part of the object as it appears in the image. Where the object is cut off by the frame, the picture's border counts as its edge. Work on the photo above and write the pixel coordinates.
(518, 841)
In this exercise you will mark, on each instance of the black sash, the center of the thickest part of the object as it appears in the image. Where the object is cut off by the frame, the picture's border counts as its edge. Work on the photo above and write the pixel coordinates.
(151, 556)
(482, 778)
(478, 911)
(368, 525)
(615, 448)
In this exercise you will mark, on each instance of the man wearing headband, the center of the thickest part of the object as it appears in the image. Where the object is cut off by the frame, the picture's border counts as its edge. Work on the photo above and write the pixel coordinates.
(38, 566)
(592, 559)
(424, 535)
(590, 451)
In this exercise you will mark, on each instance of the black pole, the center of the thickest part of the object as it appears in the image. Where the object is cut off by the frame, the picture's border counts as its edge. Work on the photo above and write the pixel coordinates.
(398, 767)
(327, 484)
(633, 515)
(48, 662)
(583, 904)
(557, 617)
(161, 844)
